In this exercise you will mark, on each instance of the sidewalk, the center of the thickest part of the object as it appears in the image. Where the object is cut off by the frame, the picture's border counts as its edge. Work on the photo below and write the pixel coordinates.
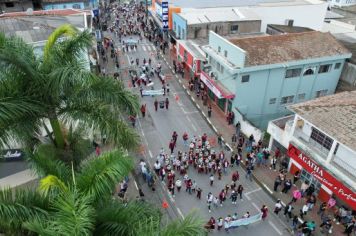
(264, 176)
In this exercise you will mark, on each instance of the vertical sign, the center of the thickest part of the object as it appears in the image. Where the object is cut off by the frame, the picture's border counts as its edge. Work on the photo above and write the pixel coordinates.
(165, 16)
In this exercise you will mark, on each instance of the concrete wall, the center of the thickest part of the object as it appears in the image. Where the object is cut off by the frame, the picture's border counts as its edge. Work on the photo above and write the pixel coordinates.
(253, 97)
(18, 6)
(235, 54)
(179, 25)
(222, 28)
(349, 74)
(67, 5)
(279, 15)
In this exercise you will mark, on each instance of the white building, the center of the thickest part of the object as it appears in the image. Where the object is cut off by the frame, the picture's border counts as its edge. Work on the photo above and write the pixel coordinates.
(320, 139)
(341, 3)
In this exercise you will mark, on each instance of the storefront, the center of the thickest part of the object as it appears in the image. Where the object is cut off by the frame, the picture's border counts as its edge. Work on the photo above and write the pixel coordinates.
(324, 183)
(217, 93)
(192, 59)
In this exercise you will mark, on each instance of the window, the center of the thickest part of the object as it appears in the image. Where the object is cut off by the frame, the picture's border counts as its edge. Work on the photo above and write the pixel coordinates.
(321, 93)
(290, 73)
(245, 78)
(179, 31)
(272, 100)
(221, 69)
(309, 71)
(337, 66)
(219, 49)
(175, 27)
(321, 138)
(225, 53)
(287, 99)
(324, 68)
(183, 34)
(9, 4)
(234, 28)
(301, 96)
(218, 66)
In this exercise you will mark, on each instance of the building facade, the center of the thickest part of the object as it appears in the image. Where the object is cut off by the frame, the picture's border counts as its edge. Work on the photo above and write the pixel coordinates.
(320, 141)
(267, 73)
(15, 5)
(341, 3)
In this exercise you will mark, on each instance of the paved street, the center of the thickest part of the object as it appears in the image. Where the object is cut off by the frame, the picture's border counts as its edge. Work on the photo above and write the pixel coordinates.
(182, 116)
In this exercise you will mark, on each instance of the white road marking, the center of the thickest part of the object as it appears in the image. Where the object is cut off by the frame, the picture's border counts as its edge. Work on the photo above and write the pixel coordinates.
(149, 152)
(229, 147)
(135, 184)
(184, 86)
(208, 120)
(193, 99)
(248, 198)
(275, 228)
(170, 197)
(254, 204)
(189, 119)
(268, 189)
(170, 67)
(128, 59)
(190, 112)
(215, 129)
(180, 213)
(195, 129)
(176, 76)
(252, 191)
(144, 48)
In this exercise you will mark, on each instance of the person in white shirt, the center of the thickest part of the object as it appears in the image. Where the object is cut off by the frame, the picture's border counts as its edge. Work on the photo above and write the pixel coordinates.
(178, 184)
(209, 199)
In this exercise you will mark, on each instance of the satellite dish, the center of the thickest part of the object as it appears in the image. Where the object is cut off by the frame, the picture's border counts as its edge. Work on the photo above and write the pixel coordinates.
(29, 11)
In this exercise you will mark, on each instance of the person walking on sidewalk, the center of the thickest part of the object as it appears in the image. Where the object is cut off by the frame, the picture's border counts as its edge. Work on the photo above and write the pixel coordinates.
(199, 191)
(178, 184)
(288, 211)
(209, 111)
(304, 211)
(171, 146)
(209, 200)
(222, 197)
(277, 182)
(233, 197)
(167, 103)
(249, 172)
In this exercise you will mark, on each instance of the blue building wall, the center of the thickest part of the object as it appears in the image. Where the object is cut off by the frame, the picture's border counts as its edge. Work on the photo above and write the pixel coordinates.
(259, 99)
(179, 26)
(67, 5)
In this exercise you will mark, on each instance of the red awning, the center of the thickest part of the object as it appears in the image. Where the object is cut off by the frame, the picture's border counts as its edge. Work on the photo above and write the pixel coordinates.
(216, 87)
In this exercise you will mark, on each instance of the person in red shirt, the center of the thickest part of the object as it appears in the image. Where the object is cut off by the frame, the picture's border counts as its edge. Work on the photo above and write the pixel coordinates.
(235, 176)
(171, 145)
(264, 211)
(185, 139)
(143, 110)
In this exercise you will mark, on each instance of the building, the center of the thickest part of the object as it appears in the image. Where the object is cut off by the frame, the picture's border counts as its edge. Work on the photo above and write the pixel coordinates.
(197, 23)
(267, 73)
(320, 141)
(15, 5)
(68, 4)
(341, 3)
(273, 29)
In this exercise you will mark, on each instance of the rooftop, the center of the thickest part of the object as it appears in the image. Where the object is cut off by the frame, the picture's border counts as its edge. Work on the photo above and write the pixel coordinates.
(289, 29)
(334, 115)
(222, 14)
(282, 48)
(236, 3)
(37, 27)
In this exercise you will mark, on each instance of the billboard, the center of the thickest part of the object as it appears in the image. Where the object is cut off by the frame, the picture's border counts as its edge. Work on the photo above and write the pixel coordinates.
(165, 16)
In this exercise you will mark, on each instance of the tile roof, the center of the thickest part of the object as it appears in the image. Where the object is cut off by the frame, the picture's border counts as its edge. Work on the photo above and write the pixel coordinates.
(63, 12)
(335, 115)
(282, 48)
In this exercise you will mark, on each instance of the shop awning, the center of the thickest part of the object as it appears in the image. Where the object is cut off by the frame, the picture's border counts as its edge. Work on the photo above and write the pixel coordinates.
(216, 87)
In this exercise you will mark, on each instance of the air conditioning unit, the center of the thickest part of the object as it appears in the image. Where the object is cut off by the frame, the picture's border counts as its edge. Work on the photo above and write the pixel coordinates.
(211, 74)
(300, 123)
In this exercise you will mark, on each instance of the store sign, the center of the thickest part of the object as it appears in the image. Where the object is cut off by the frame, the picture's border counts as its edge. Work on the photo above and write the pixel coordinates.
(326, 179)
(211, 85)
(165, 15)
(11, 155)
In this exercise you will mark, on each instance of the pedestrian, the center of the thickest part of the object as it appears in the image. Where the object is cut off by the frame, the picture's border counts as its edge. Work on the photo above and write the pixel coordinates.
(167, 103)
(295, 222)
(288, 211)
(264, 211)
(209, 200)
(178, 184)
(211, 178)
(185, 139)
(273, 163)
(238, 127)
(296, 196)
(220, 139)
(167, 89)
(171, 187)
(304, 211)
(143, 110)
(287, 186)
(171, 145)
(157, 167)
(349, 227)
(215, 202)
(322, 209)
(156, 104)
(199, 191)
(277, 182)
(233, 197)
(211, 224)
(227, 223)
(311, 202)
(209, 111)
(132, 118)
(222, 197)
(277, 207)
(296, 177)
(235, 176)
(249, 172)
(240, 189)
(220, 223)
(97, 150)
(188, 186)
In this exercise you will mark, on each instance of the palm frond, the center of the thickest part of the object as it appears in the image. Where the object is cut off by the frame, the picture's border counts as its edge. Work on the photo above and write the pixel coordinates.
(98, 176)
(52, 183)
(47, 160)
(191, 225)
(129, 219)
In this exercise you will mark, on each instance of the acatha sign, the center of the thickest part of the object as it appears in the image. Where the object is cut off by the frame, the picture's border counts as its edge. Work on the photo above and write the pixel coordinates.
(326, 179)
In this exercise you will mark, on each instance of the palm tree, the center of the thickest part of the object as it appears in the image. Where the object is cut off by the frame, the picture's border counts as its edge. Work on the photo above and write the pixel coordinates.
(69, 202)
(55, 92)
